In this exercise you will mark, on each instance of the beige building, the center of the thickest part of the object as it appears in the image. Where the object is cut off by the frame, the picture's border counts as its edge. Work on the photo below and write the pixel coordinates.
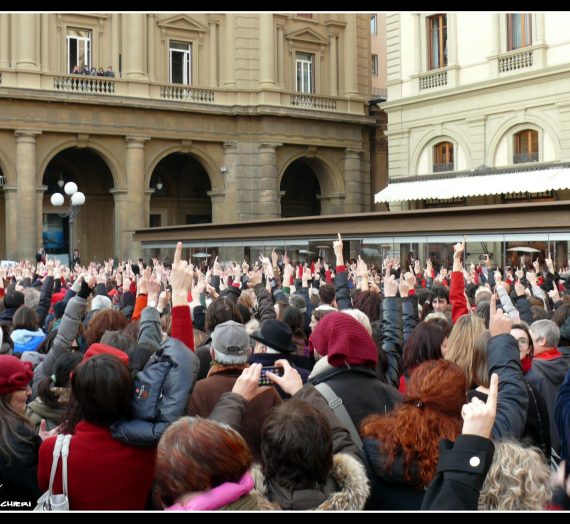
(379, 53)
(208, 118)
(479, 114)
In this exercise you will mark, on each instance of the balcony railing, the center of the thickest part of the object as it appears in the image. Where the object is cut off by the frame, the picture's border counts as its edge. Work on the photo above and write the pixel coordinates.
(438, 168)
(84, 84)
(313, 102)
(525, 157)
(433, 79)
(514, 60)
(187, 94)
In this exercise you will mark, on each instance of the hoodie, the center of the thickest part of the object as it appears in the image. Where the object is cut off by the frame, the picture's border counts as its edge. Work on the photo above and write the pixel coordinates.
(25, 340)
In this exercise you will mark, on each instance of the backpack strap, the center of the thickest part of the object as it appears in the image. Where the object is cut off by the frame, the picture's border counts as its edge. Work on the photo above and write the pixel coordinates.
(64, 455)
(335, 403)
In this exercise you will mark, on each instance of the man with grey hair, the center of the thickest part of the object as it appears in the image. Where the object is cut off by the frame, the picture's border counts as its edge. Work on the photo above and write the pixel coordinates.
(230, 349)
(552, 365)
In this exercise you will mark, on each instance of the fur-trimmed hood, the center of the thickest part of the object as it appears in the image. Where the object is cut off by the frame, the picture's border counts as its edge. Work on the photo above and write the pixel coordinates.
(345, 490)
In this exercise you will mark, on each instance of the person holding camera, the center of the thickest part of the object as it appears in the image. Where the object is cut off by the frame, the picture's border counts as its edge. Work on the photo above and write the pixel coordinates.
(230, 350)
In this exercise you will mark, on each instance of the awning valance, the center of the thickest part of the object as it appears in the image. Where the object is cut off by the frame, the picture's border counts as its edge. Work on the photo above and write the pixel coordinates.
(524, 181)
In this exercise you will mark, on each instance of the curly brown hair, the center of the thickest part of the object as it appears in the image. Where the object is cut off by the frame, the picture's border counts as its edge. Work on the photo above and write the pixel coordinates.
(431, 411)
(104, 320)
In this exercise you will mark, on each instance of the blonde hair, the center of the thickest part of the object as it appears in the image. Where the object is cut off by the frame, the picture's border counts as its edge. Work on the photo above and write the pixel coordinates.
(461, 347)
(519, 480)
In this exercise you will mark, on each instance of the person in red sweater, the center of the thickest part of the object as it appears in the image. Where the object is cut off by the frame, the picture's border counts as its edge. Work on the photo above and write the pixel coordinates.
(103, 473)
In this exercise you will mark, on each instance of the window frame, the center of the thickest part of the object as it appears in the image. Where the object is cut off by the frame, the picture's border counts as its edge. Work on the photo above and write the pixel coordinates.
(373, 24)
(311, 76)
(443, 150)
(530, 153)
(526, 30)
(186, 61)
(374, 65)
(88, 40)
(442, 42)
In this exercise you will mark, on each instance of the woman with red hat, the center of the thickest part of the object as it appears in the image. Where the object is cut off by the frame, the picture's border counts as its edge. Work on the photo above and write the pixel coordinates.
(18, 444)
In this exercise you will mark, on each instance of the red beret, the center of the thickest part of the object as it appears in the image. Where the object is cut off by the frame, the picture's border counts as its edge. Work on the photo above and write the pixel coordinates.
(14, 374)
(104, 349)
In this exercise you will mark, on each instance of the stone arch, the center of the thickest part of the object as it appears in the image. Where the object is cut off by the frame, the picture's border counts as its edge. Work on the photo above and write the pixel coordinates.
(330, 179)
(433, 137)
(216, 178)
(515, 122)
(107, 157)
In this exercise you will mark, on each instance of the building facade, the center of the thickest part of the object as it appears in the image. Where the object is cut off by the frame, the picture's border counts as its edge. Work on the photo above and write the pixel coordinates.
(204, 118)
(477, 92)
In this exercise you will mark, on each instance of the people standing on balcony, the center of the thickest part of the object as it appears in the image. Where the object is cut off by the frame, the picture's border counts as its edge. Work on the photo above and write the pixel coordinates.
(76, 70)
(110, 73)
(100, 72)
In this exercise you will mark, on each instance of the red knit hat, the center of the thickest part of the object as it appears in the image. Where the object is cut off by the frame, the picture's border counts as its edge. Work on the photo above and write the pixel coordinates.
(343, 340)
(104, 349)
(14, 374)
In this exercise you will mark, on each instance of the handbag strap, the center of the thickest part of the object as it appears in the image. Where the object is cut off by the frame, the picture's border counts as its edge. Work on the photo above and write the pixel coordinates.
(56, 453)
(335, 403)
(64, 455)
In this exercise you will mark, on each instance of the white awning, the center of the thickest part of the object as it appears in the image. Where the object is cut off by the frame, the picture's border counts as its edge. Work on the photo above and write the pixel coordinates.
(524, 181)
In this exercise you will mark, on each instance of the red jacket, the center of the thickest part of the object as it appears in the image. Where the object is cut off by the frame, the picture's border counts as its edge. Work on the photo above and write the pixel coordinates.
(457, 296)
(102, 473)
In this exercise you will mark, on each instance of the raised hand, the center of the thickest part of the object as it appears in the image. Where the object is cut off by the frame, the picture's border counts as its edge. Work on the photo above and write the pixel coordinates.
(479, 416)
(181, 278)
(390, 286)
(554, 295)
(499, 322)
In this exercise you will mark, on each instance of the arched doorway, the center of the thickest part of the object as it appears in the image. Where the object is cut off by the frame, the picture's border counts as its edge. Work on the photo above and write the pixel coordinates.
(180, 197)
(301, 188)
(94, 226)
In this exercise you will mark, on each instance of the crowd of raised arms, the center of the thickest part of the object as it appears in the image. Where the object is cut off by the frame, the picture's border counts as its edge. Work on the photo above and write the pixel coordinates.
(275, 384)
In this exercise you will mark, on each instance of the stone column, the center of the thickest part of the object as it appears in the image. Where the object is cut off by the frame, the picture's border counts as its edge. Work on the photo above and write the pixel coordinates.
(539, 28)
(40, 190)
(418, 43)
(333, 64)
(5, 40)
(280, 57)
(11, 203)
(269, 199)
(352, 181)
(147, 196)
(115, 32)
(213, 27)
(350, 56)
(266, 51)
(229, 50)
(25, 41)
(134, 46)
(452, 36)
(495, 34)
(44, 50)
(228, 211)
(150, 45)
(27, 223)
(122, 236)
(136, 192)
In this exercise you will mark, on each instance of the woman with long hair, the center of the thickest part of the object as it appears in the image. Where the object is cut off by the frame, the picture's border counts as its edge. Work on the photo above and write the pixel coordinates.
(403, 447)
(18, 444)
(104, 473)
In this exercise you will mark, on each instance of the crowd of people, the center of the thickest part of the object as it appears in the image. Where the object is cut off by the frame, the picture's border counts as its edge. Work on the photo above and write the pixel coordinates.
(93, 71)
(274, 385)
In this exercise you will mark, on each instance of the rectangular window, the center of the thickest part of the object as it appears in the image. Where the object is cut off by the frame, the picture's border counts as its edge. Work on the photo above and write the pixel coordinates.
(525, 146)
(519, 30)
(155, 220)
(374, 65)
(373, 26)
(437, 34)
(305, 79)
(78, 50)
(180, 63)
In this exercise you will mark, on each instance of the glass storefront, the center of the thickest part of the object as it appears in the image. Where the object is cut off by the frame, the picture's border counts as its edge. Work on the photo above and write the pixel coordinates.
(505, 250)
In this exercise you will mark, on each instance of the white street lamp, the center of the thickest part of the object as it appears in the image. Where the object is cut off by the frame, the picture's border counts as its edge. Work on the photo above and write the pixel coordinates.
(77, 199)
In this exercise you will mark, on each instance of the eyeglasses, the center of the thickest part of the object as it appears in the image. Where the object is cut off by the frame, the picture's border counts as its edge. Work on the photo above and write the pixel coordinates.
(523, 341)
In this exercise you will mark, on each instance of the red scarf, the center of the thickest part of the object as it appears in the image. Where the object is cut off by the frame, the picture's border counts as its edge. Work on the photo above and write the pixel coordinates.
(526, 364)
(551, 354)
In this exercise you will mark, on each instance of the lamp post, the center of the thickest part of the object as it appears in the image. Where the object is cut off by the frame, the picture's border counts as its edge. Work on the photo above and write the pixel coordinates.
(77, 199)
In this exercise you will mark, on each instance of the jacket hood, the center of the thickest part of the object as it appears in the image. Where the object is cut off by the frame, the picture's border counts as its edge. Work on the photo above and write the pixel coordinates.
(346, 489)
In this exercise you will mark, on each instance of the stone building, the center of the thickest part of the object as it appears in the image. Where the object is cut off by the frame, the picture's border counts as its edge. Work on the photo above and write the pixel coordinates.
(208, 118)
